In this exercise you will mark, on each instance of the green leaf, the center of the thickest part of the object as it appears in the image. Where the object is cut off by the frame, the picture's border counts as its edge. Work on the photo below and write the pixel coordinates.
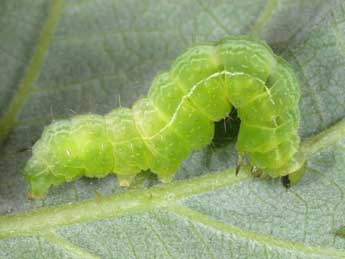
(59, 57)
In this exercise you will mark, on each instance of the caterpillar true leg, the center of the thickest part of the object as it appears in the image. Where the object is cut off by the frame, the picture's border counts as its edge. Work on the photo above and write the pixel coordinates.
(256, 171)
(239, 163)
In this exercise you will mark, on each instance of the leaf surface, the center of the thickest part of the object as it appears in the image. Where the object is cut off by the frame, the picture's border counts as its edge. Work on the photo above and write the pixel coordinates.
(58, 58)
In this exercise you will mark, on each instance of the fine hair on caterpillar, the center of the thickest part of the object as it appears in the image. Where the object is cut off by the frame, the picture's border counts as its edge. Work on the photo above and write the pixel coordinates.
(178, 117)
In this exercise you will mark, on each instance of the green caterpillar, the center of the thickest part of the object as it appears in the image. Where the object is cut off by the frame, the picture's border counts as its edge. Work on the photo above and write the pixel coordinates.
(178, 116)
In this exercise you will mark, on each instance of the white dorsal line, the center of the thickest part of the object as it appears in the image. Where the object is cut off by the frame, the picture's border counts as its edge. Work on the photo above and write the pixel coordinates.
(185, 97)
(269, 94)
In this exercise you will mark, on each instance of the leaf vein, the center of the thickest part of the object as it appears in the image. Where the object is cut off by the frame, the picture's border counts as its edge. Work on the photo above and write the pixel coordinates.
(213, 17)
(32, 71)
(197, 217)
(68, 246)
(264, 17)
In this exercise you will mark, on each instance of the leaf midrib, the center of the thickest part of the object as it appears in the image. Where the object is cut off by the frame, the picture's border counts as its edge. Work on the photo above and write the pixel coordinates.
(130, 202)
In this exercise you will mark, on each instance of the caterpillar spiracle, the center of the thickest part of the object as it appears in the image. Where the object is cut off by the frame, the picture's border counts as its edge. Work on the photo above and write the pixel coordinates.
(178, 116)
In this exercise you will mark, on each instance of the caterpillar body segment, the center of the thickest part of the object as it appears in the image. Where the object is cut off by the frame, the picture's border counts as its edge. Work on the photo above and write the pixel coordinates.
(178, 116)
